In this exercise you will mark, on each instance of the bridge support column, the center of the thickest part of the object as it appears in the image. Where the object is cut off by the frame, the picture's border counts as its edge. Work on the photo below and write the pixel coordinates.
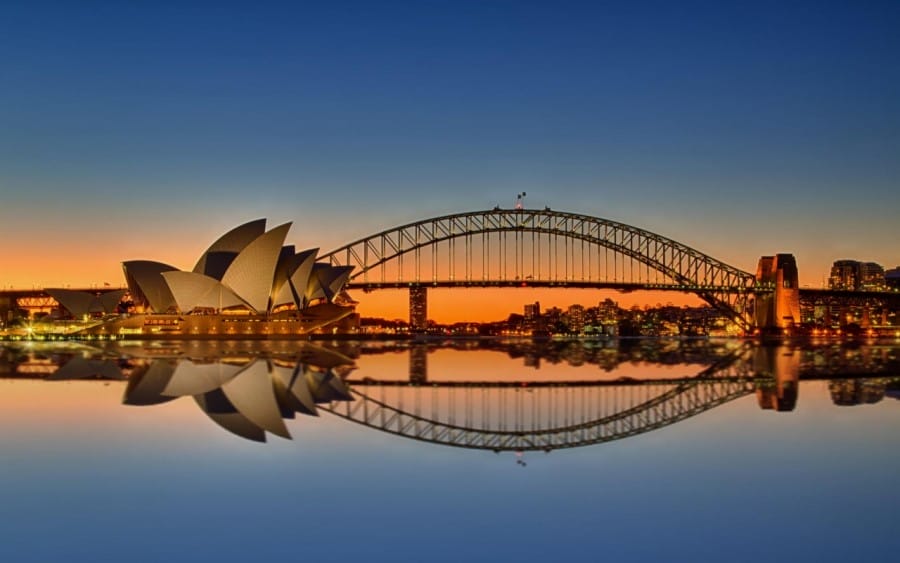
(778, 311)
(5, 310)
(846, 316)
(418, 308)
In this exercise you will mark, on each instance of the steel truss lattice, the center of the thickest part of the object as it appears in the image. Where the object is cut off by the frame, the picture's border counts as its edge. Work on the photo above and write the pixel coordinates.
(543, 248)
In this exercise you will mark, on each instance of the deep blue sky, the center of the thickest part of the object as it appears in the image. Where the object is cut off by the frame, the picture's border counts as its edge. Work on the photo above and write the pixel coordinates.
(740, 130)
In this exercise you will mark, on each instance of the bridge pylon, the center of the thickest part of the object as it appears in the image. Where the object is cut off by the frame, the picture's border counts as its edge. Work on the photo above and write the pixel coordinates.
(778, 311)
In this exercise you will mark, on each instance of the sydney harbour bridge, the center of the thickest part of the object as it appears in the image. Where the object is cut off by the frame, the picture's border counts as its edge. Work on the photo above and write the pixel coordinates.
(516, 248)
(522, 248)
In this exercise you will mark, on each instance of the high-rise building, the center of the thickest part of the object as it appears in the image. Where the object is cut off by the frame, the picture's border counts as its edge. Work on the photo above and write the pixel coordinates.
(608, 312)
(892, 278)
(844, 275)
(575, 318)
(532, 317)
(418, 308)
(853, 275)
(552, 317)
(871, 276)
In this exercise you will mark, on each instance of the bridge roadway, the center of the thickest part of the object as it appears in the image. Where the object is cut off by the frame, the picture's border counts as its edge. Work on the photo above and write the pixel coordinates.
(625, 287)
(7, 296)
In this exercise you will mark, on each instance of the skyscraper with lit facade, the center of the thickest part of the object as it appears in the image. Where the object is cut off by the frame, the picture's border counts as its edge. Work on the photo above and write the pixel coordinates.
(418, 308)
(853, 275)
(892, 278)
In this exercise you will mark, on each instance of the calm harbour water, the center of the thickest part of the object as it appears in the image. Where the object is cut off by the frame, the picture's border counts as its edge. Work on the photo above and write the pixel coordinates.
(632, 451)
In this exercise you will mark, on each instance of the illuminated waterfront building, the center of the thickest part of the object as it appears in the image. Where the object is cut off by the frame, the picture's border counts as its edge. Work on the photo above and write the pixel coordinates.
(418, 308)
(532, 317)
(532, 311)
(575, 318)
(844, 274)
(853, 275)
(608, 312)
(871, 276)
(892, 278)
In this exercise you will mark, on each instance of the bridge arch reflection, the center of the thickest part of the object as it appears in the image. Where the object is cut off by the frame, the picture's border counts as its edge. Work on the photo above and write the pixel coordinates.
(548, 415)
(510, 418)
(250, 389)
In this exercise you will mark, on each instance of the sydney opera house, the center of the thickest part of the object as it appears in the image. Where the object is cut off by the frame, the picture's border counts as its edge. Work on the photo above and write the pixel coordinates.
(248, 283)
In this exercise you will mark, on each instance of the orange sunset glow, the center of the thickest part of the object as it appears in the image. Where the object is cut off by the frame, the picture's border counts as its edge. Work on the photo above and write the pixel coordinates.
(52, 257)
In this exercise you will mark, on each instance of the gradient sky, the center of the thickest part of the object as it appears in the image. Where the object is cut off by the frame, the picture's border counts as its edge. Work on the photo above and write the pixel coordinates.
(139, 130)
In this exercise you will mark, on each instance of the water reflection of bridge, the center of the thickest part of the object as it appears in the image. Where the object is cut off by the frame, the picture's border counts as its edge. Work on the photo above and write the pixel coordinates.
(548, 415)
(540, 416)
(250, 388)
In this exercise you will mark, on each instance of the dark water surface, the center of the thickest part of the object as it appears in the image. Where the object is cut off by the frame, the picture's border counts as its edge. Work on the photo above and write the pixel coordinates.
(519, 451)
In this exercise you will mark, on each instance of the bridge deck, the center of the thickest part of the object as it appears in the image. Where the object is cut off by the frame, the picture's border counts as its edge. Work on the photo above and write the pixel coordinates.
(530, 283)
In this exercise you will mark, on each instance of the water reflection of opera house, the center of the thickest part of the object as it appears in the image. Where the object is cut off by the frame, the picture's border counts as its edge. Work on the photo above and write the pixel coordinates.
(250, 388)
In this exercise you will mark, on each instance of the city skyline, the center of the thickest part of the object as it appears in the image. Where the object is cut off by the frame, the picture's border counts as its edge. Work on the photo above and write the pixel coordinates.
(449, 280)
(492, 304)
(134, 132)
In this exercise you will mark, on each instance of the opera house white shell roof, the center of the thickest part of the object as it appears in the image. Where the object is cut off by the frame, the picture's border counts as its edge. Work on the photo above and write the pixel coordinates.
(247, 267)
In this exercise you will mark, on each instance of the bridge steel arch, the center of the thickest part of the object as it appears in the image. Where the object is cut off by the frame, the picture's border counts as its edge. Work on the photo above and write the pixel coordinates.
(682, 268)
